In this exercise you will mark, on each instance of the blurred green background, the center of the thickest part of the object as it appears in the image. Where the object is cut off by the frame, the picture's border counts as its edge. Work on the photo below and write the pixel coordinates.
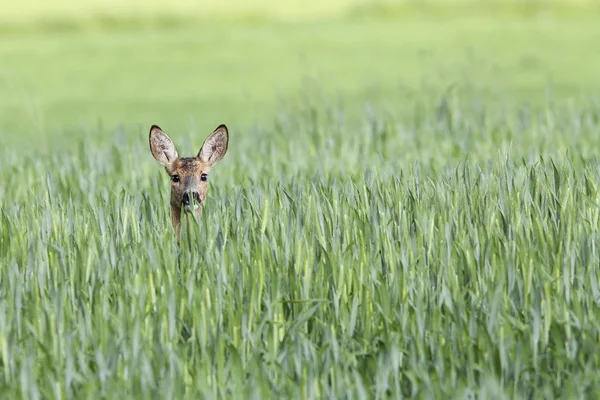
(69, 70)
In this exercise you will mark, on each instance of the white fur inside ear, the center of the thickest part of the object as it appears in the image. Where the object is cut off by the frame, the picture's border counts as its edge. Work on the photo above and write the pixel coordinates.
(215, 146)
(162, 146)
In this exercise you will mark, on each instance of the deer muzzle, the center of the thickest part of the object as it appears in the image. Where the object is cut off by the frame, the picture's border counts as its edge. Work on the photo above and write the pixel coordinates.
(190, 201)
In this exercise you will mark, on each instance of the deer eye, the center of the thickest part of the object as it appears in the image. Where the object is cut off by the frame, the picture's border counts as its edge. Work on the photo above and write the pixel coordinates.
(204, 177)
(175, 178)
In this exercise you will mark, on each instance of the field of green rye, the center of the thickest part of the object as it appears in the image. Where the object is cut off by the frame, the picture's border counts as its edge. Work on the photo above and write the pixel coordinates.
(343, 264)
(409, 206)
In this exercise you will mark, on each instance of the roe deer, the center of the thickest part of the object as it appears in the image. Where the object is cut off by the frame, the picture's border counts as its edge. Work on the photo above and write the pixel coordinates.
(189, 175)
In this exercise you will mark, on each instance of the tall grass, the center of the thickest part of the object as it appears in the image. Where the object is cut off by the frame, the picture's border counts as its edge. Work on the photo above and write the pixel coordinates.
(452, 255)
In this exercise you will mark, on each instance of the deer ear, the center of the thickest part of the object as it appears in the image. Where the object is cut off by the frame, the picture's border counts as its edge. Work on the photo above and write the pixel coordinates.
(162, 146)
(215, 146)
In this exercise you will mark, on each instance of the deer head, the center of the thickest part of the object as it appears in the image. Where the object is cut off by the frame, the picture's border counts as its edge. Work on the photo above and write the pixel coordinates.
(189, 175)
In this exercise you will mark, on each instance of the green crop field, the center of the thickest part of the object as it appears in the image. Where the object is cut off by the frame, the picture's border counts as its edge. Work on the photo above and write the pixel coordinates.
(409, 206)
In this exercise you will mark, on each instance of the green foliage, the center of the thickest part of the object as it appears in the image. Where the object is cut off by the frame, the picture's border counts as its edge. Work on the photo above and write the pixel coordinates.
(331, 260)
(409, 206)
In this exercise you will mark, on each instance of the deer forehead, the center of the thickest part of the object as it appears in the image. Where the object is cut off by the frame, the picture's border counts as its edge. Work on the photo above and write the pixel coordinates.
(187, 166)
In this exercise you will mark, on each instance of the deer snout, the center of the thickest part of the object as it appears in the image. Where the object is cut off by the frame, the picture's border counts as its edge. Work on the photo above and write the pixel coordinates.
(186, 198)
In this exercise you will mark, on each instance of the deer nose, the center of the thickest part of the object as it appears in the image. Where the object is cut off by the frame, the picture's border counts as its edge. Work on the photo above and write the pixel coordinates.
(186, 198)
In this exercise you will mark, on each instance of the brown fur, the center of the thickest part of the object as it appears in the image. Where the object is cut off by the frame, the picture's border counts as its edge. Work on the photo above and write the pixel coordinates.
(188, 170)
